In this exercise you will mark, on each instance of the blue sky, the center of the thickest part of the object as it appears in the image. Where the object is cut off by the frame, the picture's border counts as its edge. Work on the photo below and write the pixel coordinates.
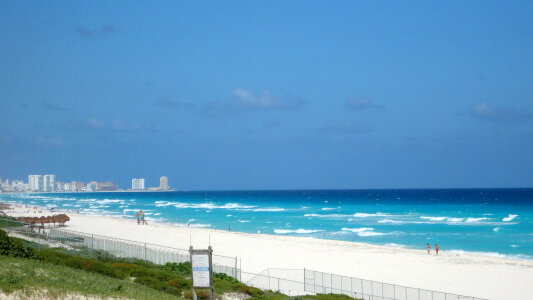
(269, 95)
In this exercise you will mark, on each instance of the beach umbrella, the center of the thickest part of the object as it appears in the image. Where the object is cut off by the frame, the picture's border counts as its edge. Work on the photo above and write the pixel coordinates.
(54, 219)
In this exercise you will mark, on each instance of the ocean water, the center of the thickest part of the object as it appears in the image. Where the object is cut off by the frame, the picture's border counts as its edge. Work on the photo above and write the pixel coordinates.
(495, 222)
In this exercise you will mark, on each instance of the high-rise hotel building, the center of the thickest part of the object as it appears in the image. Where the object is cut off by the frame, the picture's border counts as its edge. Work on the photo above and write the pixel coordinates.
(163, 183)
(137, 184)
(42, 183)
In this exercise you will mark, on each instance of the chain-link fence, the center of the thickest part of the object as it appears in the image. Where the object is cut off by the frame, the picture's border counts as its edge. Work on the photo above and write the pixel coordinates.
(325, 283)
(303, 281)
(157, 254)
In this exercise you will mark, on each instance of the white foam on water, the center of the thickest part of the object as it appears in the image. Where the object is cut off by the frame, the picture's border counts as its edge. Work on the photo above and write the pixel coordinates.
(365, 231)
(496, 229)
(269, 209)
(433, 218)
(475, 220)
(327, 215)
(389, 221)
(514, 246)
(298, 231)
(207, 205)
(509, 218)
(365, 215)
(244, 221)
(328, 208)
(455, 219)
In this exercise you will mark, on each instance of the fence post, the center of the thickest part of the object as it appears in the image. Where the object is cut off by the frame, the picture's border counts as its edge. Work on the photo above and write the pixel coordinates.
(351, 288)
(235, 268)
(278, 285)
(323, 290)
(305, 290)
(92, 241)
(144, 251)
(268, 275)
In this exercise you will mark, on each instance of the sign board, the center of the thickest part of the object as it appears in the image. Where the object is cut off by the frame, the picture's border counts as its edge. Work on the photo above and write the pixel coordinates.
(201, 270)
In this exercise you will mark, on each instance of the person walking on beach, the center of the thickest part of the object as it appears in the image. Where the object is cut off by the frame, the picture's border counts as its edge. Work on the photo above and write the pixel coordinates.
(428, 248)
(229, 228)
(437, 249)
(140, 215)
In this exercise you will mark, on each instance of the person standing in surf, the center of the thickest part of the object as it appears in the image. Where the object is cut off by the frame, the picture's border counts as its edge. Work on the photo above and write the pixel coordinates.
(428, 248)
(437, 249)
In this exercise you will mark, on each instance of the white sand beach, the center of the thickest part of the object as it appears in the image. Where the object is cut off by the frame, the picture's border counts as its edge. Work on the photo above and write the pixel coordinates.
(481, 276)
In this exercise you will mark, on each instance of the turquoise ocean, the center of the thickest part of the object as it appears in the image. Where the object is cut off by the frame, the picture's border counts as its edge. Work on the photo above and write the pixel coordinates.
(496, 222)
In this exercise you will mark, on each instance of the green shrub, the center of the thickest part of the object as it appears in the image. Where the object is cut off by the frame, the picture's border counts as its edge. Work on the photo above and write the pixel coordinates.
(14, 248)
(226, 277)
(182, 268)
(105, 269)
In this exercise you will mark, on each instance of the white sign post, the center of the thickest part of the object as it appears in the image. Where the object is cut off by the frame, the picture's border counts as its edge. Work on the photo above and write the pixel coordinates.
(202, 270)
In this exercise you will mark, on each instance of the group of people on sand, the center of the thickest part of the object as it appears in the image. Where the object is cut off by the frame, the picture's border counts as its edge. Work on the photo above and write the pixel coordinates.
(428, 248)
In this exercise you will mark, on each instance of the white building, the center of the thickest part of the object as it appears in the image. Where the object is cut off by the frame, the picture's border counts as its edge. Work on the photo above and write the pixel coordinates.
(19, 186)
(36, 183)
(137, 184)
(49, 183)
(163, 183)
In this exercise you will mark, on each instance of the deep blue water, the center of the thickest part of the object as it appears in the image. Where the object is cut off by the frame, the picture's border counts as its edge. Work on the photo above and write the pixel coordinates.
(492, 221)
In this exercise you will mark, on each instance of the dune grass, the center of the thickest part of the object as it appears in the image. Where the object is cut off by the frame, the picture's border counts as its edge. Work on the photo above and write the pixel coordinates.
(31, 276)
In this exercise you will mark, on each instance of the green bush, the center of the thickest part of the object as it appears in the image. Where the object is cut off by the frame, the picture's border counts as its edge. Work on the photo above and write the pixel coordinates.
(14, 248)
(182, 268)
(226, 277)
(91, 265)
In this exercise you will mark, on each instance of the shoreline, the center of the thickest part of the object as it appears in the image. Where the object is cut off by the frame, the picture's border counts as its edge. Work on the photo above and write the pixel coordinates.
(464, 274)
(456, 252)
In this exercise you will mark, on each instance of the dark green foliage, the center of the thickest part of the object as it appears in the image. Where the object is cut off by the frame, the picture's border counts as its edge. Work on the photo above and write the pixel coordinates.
(181, 268)
(14, 248)
(226, 277)
(160, 280)
(91, 265)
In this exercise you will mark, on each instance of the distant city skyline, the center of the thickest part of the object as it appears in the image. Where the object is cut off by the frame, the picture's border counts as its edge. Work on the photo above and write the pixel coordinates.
(269, 95)
(47, 183)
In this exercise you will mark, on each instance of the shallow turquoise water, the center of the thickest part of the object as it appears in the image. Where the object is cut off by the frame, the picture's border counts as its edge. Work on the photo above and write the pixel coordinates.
(492, 221)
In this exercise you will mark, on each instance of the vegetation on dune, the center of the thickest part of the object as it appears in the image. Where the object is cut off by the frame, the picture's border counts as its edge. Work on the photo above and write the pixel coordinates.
(14, 247)
(33, 276)
(98, 273)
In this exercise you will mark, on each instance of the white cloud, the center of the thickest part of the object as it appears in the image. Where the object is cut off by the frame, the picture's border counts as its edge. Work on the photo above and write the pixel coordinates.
(244, 100)
(489, 113)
